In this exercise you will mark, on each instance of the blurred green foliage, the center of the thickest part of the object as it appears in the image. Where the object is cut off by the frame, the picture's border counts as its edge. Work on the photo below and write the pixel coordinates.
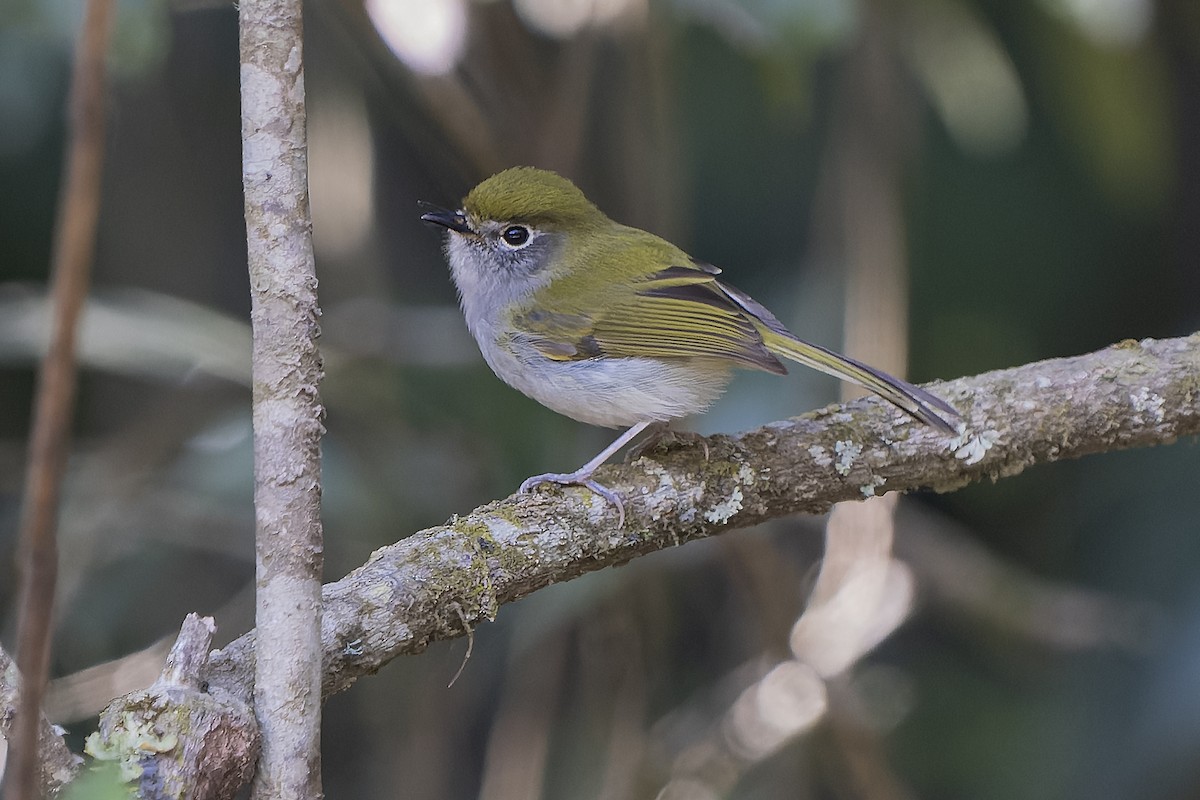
(1050, 186)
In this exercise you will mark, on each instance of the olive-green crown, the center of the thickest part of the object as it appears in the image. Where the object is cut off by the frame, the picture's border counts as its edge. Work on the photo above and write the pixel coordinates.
(535, 196)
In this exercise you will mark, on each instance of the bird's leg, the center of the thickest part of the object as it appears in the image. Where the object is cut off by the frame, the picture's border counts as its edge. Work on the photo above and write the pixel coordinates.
(661, 435)
(583, 475)
(657, 431)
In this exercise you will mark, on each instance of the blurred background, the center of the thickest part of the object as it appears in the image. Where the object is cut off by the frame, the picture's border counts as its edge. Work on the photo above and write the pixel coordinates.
(1021, 180)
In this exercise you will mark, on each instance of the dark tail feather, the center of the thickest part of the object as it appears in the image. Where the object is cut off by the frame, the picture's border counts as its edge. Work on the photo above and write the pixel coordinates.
(916, 401)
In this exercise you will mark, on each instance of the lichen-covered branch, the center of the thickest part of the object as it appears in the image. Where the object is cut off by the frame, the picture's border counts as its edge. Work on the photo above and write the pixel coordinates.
(179, 738)
(435, 583)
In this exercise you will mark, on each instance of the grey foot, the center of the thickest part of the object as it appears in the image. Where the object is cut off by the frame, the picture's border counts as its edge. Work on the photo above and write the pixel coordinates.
(577, 479)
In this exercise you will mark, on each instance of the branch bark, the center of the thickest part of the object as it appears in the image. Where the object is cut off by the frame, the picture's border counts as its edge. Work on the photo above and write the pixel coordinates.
(287, 410)
(56, 764)
(179, 738)
(439, 582)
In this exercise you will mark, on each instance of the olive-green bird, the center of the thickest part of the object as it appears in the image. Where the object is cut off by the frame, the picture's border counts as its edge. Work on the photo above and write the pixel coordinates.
(614, 326)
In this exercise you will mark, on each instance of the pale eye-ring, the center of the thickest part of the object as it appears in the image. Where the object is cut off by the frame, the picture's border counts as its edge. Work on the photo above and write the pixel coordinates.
(515, 236)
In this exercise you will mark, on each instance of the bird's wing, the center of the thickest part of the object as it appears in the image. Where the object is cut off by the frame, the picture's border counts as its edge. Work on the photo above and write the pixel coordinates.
(677, 312)
(558, 336)
(685, 312)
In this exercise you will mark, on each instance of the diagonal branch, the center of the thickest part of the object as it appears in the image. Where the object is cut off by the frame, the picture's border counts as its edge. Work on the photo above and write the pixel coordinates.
(437, 582)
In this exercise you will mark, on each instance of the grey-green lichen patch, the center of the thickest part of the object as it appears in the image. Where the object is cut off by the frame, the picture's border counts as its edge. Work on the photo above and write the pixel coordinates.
(847, 451)
(664, 485)
(655, 470)
(820, 456)
(464, 578)
(868, 489)
(502, 529)
(1147, 403)
(140, 732)
(970, 447)
(723, 511)
(743, 475)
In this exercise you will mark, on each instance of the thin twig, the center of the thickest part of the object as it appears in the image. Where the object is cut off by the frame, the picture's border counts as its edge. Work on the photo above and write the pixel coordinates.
(287, 409)
(467, 655)
(74, 245)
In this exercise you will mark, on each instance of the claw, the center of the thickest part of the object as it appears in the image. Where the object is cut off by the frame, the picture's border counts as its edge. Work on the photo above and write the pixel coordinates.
(576, 479)
(583, 475)
(610, 496)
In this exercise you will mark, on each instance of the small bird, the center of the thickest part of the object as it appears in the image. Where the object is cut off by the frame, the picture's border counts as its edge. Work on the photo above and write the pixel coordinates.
(611, 325)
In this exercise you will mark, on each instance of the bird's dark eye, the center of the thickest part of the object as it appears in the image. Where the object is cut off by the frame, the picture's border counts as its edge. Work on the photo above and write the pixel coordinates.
(515, 235)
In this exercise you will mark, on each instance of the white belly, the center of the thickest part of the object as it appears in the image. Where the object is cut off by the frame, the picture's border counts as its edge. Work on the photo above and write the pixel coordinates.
(612, 392)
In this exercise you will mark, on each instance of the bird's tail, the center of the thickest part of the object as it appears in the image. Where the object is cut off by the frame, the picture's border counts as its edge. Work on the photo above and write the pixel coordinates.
(916, 401)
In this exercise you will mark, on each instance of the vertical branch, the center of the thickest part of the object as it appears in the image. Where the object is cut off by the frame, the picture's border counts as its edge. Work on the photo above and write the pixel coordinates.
(287, 410)
(74, 246)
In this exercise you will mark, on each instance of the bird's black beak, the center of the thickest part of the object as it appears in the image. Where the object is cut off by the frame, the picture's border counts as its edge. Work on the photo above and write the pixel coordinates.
(454, 220)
